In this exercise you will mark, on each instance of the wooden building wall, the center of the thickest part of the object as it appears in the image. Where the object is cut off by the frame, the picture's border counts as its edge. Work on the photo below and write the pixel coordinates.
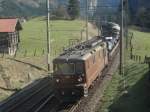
(9, 42)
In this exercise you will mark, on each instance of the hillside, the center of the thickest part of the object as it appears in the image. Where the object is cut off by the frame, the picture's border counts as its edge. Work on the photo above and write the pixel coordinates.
(38, 7)
(21, 7)
(136, 4)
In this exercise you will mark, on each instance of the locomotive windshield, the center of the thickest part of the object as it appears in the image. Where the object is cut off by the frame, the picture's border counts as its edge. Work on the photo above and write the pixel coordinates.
(79, 68)
(65, 68)
(69, 68)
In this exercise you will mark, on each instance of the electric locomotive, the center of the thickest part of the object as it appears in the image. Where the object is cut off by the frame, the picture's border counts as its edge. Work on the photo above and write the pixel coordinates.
(76, 69)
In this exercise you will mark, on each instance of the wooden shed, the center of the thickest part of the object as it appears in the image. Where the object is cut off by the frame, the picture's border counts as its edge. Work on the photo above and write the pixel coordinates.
(9, 35)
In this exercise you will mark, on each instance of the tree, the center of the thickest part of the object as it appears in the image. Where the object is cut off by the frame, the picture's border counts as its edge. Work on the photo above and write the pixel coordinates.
(141, 14)
(73, 9)
(60, 13)
(144, 17)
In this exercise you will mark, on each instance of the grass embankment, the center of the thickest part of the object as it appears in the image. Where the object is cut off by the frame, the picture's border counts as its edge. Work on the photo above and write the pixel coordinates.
(136, 77)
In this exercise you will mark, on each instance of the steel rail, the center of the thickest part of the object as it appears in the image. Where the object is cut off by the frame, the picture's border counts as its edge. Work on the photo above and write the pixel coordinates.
(44, 103)
(75, 106)
(26, 99)
(23, 92)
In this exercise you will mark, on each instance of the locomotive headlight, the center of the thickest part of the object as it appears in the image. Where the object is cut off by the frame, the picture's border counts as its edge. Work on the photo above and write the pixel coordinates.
(80, 79)
(72, 93)
(62, 92)
(57, 80)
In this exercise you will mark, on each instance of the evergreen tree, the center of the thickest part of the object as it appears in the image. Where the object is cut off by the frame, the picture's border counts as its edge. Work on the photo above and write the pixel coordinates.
(143, 16)
(73, 9)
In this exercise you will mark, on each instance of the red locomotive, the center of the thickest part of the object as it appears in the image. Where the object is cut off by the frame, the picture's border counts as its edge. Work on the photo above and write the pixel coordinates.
(77, 68)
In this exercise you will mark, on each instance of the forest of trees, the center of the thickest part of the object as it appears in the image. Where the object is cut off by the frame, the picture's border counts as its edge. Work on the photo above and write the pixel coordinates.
(143, 17)
(139, 12)
(71, 11)
(64, 10)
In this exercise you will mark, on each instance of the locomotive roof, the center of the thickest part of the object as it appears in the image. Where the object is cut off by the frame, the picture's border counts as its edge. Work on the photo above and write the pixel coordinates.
(79, 52)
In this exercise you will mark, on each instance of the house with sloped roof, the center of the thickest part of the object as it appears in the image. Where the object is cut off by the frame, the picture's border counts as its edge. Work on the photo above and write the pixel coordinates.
(9, 35)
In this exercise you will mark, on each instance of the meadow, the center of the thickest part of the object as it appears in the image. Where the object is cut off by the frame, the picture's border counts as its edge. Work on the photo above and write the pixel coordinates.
(33, 35)
(141, 43)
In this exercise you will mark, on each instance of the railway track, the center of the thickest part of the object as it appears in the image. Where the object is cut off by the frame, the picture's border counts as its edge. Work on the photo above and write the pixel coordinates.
(25, 101)
(27, 90)
(66, 107)
(75, 106)
(40, 97)
(49, 105)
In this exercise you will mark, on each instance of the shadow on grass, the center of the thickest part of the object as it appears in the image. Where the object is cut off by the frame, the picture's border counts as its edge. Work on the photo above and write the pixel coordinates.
(136, 100)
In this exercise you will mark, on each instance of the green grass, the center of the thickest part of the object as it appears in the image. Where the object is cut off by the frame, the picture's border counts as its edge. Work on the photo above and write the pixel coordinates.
(141, 43)
(136, 100)
(33, 35)
(136, 77)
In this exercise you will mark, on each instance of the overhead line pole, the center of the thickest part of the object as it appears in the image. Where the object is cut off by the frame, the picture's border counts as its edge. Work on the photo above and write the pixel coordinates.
(122, 44)
(48, 35)
(87, 36)
(121, 41)
(126, 22)
(121, 36)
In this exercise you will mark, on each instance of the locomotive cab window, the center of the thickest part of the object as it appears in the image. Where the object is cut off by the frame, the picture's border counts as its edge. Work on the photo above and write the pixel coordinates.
(93, 59)
(79, 68)
(64, 68)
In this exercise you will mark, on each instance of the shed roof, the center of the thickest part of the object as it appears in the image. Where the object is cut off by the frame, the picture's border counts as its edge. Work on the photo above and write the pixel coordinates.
(9, 25)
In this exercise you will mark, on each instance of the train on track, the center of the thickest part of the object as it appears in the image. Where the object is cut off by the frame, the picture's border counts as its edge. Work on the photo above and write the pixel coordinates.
(78, 67)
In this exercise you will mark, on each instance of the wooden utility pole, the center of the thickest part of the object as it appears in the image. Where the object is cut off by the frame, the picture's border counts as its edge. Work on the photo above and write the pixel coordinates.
(48, 36)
